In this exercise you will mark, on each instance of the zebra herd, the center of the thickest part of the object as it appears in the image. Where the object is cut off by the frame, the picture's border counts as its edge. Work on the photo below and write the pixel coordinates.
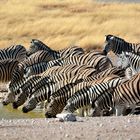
(72, 80)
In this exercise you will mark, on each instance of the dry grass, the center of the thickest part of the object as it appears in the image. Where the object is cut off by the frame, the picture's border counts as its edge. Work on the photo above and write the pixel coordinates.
(61, 23)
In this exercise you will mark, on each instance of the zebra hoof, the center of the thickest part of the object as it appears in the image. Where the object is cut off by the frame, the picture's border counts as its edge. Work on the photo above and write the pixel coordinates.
(15, 106)
(24, 110)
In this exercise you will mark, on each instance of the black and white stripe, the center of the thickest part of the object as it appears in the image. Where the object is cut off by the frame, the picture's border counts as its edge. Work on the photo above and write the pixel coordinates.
(117, 45)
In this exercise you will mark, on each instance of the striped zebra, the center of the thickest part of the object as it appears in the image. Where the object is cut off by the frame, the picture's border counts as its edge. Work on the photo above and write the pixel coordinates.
(123, 96)
(7, 68)
(99, 62)
(15, 90)
(43, 93)
(56, 74)
(69, 73)
(117, 45)
(17, 52)
(65, 53)
(103, 103)
(40, 67)
(84, 96)
(131, 60)
(58, 99)
(18, 74)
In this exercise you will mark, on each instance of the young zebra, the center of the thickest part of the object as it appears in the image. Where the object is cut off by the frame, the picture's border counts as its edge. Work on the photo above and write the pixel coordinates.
(17, 52)
(60, 97)
(117, 45)
(65, 53)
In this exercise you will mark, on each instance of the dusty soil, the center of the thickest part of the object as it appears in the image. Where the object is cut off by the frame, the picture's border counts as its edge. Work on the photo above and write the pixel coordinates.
(99, 128)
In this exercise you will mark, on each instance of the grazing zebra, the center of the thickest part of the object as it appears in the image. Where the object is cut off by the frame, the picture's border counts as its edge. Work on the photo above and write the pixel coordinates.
(15, 90)
(127, 94)
(43, 93)
(117, 45)
(20, 70)
(121, 97)
(7, 68)
(17, 52)
(59, 98)
(69, 73)
(103, 103)
(99, 62)
(65, 53)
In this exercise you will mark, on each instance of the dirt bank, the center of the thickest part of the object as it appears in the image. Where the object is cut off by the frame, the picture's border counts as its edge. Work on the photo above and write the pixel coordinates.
(99, 128)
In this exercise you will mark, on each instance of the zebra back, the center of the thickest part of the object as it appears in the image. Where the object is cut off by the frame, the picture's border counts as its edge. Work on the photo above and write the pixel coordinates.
(7, 68)
(17, 52)
(87, 95)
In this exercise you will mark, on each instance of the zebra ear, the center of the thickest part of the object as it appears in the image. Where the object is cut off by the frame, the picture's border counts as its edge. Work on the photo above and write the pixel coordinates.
(109, 37)
(34, 41)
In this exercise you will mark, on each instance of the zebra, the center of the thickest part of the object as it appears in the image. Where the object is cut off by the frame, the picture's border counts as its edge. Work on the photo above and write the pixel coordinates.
(117, 45)
(18, 74)
(17, 52)
(65, 53)
(39, 67)
(15, 90)
(87, 95)
(43, 93)
(129, 59)
(103, 103)
(59, 98)
(69, 73)
(99, 62)
(7, 68)
(121, 97)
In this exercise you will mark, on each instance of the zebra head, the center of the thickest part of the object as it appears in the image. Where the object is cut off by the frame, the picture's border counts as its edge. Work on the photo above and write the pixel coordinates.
(10, 97)
(30, 105)
(113, 43)
(20, 99)
(37, 45)
(52, 108)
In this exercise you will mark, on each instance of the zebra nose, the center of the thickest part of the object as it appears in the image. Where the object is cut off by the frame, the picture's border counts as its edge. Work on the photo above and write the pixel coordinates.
(24, 110)
(15, 106)
(4, 103)
(104, 52)
(47, 115)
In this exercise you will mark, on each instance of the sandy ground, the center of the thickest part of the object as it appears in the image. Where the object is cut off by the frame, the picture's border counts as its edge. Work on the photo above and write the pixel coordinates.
(99, 128)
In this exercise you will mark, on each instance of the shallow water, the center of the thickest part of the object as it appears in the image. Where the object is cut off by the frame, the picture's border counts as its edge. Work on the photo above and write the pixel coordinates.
(7, 112)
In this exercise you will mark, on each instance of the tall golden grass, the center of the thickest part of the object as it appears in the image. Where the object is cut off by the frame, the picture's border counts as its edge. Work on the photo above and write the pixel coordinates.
(61, 23)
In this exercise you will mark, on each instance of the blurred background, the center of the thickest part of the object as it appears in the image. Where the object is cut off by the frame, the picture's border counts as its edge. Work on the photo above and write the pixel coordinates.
(62, 23)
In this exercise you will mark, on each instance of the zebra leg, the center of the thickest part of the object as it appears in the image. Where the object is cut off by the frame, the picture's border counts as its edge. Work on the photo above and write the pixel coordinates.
(120, 109)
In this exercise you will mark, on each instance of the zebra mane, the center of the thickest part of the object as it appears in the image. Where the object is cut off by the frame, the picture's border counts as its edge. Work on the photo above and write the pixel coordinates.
(112, 37)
